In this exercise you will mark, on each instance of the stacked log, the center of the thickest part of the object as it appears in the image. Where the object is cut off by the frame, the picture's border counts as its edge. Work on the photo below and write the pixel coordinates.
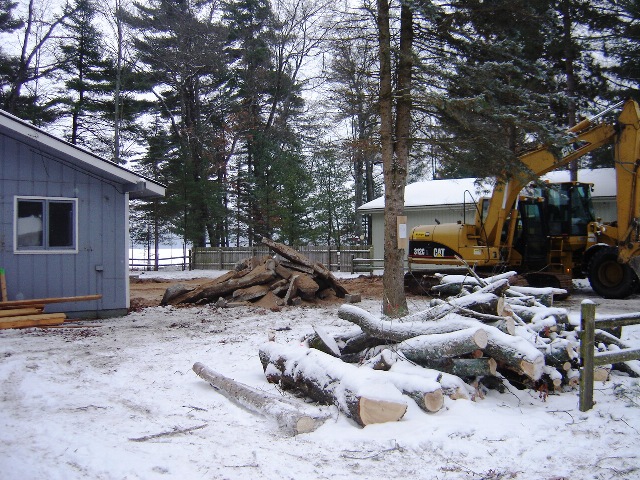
(270, 281)
(488, 334)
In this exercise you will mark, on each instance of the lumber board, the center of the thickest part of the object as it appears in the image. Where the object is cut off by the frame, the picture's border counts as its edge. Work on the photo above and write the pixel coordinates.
(33, 320)
(3, 286)
(15, 312)
(79, 298)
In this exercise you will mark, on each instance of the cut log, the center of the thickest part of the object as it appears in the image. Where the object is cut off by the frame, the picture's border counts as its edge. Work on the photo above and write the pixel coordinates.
(466, 367)
(452, 386)
(363, 396)
(398, 331)
(292, 290)
(325, 342)
(427, 348)
(307, 287)
(561, 354)
(210, 292)
(516, 353)
(250, 293)
(293, 417)
(426, 392)
(317, 268)
(486, 300)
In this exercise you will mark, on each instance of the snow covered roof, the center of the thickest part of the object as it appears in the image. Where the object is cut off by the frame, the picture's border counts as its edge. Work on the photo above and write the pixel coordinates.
(452, 191)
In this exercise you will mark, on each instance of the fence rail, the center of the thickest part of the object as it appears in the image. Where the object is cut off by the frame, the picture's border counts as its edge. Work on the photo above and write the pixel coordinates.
(225, 258)
(589, 359)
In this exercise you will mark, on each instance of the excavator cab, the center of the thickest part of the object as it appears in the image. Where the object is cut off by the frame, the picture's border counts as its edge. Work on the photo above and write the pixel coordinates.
(531, 234)
(569, 208)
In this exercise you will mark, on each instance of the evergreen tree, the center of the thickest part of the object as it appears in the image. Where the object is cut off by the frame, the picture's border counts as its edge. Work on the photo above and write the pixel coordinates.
(499, 97)
(85, 77)
(182, 48)
(624, 50)
(265, 100)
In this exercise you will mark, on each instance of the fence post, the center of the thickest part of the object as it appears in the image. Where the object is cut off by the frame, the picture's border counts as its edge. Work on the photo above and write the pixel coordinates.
(587, 339)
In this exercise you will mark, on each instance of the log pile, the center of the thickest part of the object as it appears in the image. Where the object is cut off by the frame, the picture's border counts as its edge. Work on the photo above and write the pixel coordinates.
(489, 333)
(287, 279)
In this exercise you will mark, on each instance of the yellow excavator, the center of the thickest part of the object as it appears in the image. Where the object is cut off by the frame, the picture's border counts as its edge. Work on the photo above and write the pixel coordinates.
(550, 234)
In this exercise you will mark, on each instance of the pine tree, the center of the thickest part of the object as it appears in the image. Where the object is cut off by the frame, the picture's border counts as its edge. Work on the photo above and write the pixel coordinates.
(84, 72)
(181, 49)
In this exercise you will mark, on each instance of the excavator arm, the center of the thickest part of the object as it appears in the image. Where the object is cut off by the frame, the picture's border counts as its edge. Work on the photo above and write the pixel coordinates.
(584, 138)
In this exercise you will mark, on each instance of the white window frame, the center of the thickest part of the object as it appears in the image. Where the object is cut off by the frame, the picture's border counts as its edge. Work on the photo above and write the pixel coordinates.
(44, 250)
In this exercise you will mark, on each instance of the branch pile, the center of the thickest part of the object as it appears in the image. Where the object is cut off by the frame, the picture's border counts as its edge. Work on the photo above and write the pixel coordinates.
(287, 280)
(457, 348)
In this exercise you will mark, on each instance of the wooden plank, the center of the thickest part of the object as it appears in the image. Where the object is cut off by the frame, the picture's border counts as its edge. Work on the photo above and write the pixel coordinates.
(36, 316)
(80, 298)
(39, 306)
(29, 321)
(15, 312)
(3, 286)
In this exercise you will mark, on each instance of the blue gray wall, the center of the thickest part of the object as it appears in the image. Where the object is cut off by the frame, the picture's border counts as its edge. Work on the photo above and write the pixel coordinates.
(100, 266)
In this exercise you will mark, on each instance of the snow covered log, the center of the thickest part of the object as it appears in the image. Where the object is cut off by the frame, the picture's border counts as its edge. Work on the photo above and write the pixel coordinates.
(485, 300)
(292, 417)
(516, 353)
(427, 348)
(453, 284)
(399, 330)
(360, 394)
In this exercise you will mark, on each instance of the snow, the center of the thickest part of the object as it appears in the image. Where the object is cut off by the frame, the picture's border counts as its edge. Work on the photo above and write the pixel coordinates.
(453, 191)
(117, 399)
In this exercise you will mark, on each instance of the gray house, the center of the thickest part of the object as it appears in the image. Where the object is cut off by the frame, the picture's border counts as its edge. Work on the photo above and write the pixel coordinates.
(64, 221)
(451, 201)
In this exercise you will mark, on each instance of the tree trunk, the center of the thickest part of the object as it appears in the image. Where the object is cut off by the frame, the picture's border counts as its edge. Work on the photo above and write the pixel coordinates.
(293, 417)
(394, 303)
(363, 396)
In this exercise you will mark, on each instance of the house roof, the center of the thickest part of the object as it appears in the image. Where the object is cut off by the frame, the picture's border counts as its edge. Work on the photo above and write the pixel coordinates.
(137, 185)
(453, 191)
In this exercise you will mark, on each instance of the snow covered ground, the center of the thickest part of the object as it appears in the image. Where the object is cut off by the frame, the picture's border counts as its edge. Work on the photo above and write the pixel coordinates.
(117, 399)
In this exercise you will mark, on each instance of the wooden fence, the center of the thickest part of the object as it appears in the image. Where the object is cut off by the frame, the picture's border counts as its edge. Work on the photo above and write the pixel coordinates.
(589, 359)
(342, 259)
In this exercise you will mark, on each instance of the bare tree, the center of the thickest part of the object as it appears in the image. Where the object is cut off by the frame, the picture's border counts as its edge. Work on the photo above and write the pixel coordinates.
(395, 149)
(38, 30)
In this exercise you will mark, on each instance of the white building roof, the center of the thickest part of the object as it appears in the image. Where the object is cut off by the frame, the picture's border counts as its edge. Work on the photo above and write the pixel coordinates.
(452, 192)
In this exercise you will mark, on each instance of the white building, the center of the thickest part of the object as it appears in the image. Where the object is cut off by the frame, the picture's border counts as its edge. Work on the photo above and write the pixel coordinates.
(450, 201)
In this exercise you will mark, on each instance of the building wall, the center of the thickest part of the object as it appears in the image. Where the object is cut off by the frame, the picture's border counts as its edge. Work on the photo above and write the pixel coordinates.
(99, 266)
(604, 207)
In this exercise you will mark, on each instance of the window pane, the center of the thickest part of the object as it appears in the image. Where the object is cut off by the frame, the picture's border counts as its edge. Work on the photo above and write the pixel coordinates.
(29, 225)
(60, 224)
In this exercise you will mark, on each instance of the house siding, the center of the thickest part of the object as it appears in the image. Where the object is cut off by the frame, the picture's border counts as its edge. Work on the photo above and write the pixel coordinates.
(100, 265)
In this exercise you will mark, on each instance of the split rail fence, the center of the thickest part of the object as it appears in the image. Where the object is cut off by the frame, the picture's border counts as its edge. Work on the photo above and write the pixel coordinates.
(589, 358)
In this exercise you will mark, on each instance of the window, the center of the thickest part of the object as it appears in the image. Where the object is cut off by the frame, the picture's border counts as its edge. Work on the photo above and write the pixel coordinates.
(45, 225)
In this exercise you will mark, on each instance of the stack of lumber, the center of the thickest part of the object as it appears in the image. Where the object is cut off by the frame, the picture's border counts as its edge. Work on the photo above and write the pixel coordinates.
(30, 313)
(487, 334)
(287, 279)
